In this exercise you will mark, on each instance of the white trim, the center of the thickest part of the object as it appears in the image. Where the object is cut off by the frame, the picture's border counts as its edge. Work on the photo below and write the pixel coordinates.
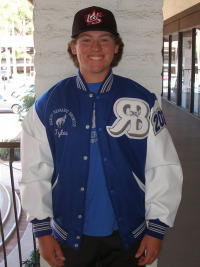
(139, 230)
(59, 231)
(41, 229)
(55, 183)
(156, 230)
(59, 228)
(141, 185)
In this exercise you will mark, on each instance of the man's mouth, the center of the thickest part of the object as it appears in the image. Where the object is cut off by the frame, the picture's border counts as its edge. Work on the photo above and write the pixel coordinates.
(96, 58)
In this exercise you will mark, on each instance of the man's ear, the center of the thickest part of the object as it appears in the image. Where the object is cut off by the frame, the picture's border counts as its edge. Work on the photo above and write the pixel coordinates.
(73, 48)
(116, 49)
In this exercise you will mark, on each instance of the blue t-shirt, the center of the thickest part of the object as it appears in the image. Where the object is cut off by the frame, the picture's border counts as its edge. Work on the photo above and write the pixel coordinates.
(99, 215)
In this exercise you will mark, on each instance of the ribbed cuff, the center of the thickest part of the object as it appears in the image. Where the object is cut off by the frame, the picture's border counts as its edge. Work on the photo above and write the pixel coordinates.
(156, 229)
(41, 227)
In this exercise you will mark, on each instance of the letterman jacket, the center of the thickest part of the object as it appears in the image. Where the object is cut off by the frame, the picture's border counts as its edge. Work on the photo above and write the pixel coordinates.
(142, 169)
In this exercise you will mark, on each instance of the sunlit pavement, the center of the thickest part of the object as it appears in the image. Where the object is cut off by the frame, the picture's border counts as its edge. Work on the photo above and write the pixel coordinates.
(10, 126)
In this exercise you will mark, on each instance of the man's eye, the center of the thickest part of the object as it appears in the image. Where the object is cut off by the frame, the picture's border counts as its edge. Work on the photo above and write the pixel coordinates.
(86, 40)
(104, 40)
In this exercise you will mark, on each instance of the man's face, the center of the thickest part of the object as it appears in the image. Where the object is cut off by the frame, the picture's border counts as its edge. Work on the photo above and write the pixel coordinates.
(95, 51)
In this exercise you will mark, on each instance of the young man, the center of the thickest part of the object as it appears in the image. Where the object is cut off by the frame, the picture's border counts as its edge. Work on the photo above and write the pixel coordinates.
(98, 161)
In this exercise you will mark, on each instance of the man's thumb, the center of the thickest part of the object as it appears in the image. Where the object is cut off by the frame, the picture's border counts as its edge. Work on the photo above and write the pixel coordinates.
(59, 253)
(140, 251)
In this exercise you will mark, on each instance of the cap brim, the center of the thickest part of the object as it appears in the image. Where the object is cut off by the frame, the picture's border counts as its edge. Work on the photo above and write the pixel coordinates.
(93, 29)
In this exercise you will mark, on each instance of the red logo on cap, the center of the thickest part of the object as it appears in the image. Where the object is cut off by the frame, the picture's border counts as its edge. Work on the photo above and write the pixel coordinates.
(94, 18)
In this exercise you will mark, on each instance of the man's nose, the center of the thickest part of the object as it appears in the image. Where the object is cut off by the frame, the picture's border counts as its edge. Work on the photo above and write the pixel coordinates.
(96, 46)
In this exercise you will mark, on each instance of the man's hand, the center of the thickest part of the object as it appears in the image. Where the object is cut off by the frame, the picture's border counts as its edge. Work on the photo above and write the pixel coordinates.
(152, 246)
(50, 250)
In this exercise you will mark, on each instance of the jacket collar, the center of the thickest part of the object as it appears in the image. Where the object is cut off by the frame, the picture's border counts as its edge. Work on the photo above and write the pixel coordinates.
(105, 87)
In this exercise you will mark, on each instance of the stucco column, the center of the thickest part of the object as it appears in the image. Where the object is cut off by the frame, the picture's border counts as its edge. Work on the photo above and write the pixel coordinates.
(140, 25)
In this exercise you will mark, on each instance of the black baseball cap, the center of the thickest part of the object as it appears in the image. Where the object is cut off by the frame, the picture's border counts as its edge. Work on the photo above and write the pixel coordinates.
(94, 19)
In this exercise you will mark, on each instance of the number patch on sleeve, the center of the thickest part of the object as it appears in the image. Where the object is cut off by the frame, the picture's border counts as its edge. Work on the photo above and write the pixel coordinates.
(158, 121)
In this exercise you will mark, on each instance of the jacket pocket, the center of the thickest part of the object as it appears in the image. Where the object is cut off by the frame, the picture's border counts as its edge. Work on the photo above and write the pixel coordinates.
(55, 183)
(140, 184)
(59, 230)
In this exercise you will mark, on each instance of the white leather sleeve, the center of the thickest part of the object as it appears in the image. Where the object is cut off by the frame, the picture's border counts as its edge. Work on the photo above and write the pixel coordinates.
(163, 175)
(37, 168)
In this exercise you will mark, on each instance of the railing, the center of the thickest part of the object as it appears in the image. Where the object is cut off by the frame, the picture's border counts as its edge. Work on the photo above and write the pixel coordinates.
(12, 146)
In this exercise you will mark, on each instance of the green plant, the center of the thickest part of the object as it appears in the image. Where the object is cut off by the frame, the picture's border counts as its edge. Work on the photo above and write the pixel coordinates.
(27, 101)
(12, 13)
(31, 261)
(19, 53)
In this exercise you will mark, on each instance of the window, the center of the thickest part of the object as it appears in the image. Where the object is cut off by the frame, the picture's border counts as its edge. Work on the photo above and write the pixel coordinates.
(181, 59)
(186, 69)
(197, 74)
(165, 66)
(174, 67)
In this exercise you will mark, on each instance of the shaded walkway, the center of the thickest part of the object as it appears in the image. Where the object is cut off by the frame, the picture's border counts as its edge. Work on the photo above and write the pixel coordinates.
(181, 246)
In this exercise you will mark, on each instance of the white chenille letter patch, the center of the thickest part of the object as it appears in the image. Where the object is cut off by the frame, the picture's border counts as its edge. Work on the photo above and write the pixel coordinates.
(132, 118)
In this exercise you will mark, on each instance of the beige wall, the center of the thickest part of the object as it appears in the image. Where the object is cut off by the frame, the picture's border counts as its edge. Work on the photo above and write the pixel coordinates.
(172, 7)
(140, 25)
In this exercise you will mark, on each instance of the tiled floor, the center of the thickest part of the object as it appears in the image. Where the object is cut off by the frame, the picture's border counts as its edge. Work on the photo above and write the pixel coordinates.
(181, 244)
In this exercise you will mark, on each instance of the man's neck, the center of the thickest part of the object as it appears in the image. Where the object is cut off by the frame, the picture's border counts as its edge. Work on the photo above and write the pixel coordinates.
(94, 77)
